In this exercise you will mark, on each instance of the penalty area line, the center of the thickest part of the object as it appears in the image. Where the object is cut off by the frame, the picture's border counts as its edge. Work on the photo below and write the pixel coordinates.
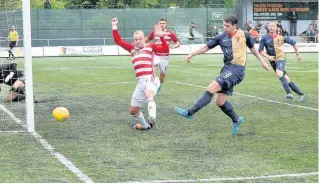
(63, 160)
(236, 178)
(250, 96)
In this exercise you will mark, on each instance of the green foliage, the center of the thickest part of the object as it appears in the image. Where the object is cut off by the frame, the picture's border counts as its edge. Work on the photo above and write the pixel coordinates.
(57, 4)
(103, 3)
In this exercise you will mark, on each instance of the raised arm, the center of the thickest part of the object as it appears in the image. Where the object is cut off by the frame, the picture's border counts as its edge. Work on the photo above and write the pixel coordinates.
(117, 38)
(162, 48)
(150, 37)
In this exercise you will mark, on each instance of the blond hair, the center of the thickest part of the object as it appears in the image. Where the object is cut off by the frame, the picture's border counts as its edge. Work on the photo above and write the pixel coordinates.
(138, 32)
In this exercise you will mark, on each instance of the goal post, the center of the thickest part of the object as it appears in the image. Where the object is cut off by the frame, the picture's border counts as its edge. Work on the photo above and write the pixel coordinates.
(26, 14)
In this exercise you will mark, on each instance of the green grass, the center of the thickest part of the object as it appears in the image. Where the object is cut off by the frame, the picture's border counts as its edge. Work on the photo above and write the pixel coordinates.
(99, 139)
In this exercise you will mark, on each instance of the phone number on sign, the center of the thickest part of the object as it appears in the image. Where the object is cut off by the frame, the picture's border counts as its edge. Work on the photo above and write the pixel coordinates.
(267, 14)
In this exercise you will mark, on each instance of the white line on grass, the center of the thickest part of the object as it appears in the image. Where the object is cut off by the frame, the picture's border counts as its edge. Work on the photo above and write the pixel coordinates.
(236, 178)
(13, 131)
(85, 68)
(88, 83)
(263, 99)
(81, 176)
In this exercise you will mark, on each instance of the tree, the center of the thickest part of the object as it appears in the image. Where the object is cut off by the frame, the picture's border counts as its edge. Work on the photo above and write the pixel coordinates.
(103, 4)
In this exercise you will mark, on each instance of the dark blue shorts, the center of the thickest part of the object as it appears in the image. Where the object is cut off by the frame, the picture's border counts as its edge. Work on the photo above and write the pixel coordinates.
(280, 65)
(230, 76)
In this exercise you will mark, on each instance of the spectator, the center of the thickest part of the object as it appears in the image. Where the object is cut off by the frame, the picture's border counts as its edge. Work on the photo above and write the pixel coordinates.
(247, 26)
(293, 17)
(212, 31)
(279, 31)
(191, 31)
(47, 11)
(259, 26)
(315, 27)
(310, 34)
(284, 32)
(279, 25)
(262, 32)
(266, 27)
(47, 4)
(253, 33)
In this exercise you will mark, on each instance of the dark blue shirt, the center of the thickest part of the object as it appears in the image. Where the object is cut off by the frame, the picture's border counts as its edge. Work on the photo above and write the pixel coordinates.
(233, 46)
(275, 45)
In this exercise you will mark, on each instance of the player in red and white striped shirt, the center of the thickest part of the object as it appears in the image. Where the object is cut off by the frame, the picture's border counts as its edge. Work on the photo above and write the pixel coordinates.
(147, 82)
(161, 60)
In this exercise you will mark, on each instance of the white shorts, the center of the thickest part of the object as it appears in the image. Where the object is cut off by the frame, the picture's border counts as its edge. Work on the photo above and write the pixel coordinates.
(161, 62)
(143, 84)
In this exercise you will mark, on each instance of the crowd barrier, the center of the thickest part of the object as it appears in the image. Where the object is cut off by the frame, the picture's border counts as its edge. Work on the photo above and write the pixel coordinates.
(114, 50)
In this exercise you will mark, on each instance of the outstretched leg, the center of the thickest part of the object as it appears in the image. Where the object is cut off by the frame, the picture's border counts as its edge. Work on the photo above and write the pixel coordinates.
(295, 88)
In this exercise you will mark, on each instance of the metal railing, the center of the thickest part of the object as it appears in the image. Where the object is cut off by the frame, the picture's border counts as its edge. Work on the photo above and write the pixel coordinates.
(110, 41)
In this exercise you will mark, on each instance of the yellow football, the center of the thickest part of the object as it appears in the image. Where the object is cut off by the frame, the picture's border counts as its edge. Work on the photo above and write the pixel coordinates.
(61, 114)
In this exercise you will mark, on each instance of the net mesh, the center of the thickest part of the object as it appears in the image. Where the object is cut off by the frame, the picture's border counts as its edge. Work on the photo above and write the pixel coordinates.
(12, 117)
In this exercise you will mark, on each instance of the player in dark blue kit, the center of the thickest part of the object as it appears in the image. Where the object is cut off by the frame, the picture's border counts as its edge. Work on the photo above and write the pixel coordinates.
(274, 44)
(233, 43)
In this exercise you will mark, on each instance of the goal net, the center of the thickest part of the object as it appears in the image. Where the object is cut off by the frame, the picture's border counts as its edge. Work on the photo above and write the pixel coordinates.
(15, 115)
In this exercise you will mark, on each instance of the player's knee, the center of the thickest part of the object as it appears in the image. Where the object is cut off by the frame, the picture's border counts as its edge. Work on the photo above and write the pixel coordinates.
(279, 73)
(12, 96)
(134, 111)
(287, 78)
(162, 80)
(149, 93)
(219, 102)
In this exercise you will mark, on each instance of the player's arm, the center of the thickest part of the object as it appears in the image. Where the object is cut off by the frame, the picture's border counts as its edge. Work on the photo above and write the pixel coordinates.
(175, 40)
(293, 43)
(150, 37)
(117, 37)
(202, 49)
(10, 67)
(17, 39)
(262, 52)
(161, 48)
(251, 46)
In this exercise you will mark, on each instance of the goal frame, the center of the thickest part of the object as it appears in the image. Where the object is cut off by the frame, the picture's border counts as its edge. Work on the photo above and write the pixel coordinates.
(26, 16)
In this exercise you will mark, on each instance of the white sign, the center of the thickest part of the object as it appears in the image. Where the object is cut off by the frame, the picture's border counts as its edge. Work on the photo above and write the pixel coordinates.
(217, 15)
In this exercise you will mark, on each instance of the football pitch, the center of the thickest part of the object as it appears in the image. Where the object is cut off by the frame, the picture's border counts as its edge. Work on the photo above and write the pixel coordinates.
(278, 142)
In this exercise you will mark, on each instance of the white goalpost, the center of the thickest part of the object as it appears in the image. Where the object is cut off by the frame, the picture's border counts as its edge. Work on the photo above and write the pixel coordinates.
(26, 14)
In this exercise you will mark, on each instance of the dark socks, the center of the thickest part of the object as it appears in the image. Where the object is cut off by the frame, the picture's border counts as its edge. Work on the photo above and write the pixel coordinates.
(285, 84)
(294, 87)
(11, 54)
(202, 102)
(228, 109)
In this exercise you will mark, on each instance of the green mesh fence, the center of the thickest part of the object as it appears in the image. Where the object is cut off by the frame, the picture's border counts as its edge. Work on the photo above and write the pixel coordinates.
(70, 25)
